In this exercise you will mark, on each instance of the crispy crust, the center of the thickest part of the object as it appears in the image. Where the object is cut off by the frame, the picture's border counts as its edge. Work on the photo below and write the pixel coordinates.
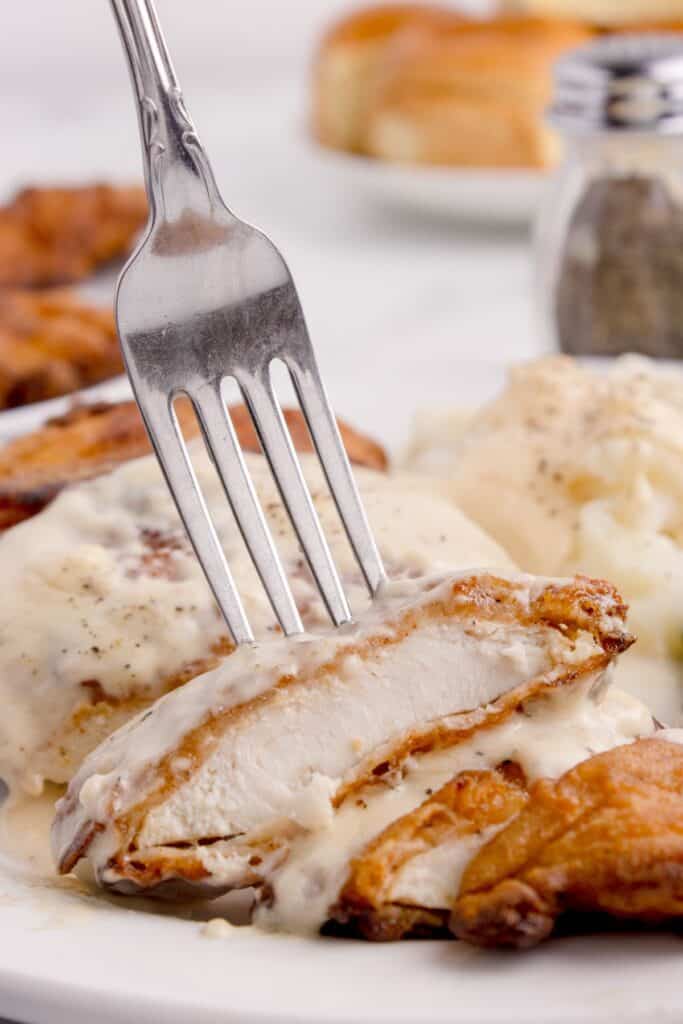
(93, 439)
(178, 872)
(56, 235)
(469, 803)
(607, 837)
(51, 343)
(581, 605)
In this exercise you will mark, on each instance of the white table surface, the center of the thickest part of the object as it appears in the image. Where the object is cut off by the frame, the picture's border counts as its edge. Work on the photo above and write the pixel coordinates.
(379, 284)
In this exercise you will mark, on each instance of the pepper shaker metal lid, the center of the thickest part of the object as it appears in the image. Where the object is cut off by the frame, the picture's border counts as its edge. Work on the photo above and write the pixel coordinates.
(621, 83)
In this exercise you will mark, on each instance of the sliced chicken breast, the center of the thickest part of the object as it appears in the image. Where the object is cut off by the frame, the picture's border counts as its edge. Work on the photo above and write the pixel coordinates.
(278, 767)
(406, 879)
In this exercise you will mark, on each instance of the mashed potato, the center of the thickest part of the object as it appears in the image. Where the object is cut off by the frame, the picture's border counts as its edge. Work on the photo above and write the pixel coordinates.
(574, 470)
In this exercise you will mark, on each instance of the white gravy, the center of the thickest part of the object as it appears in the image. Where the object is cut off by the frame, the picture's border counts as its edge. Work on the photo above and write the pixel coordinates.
(106, 598)
(550, 738)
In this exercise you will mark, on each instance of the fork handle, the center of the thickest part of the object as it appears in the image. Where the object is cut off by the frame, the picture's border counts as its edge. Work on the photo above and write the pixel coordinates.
(170, 146)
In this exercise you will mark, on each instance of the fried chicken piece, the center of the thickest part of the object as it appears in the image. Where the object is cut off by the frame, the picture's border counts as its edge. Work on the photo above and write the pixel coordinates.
(55, 235)
(92, 439)
(607, 837)
(180, 797)
(361, 449)
(467, 805)
(52, 343)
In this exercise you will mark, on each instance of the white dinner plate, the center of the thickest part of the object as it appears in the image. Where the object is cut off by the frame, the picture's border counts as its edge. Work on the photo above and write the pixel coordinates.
(66, 958)
(506, 196)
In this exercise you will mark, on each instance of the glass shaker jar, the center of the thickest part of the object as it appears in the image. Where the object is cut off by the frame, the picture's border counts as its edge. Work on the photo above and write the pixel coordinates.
(609, 240)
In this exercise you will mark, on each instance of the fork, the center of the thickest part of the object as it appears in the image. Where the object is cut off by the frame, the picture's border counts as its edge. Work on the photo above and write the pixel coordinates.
(204, 298)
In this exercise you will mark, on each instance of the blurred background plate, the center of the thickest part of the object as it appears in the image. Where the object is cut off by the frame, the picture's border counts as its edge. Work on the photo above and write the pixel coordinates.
(20, 421)
(98, 290)
(508, 196)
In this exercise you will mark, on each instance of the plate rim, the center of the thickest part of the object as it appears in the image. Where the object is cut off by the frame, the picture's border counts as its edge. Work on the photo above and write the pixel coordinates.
(437, 172)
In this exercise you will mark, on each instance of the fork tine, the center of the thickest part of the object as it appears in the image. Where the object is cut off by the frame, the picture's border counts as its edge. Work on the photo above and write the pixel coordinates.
(223, 445)
(334, 460)
(169, 445)
(284, 464)
(206, 292)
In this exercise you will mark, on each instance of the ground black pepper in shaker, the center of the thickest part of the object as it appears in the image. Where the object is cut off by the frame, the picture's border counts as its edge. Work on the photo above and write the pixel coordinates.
(620, 277)
(610, 239)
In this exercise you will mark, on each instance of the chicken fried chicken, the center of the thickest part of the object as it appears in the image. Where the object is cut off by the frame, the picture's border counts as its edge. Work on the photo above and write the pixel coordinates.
(92, 439)
(372, 900)
(280, 767)
(606, 837)
(52, 343)
(55, 235)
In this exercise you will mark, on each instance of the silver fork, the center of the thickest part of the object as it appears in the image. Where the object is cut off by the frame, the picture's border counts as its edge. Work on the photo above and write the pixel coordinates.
(207, 297)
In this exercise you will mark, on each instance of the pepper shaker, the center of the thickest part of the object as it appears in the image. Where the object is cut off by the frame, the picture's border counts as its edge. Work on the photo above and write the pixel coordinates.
(609, 240)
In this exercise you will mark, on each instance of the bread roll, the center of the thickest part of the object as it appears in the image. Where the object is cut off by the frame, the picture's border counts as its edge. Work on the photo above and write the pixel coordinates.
(470, 93)
(346, 66)
(602, 12)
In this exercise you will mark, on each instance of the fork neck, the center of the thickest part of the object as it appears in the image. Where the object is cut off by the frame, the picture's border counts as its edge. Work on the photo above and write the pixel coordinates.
(177, 172)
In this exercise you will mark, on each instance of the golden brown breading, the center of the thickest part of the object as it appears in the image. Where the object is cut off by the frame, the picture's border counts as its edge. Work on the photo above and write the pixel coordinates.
(590, 606)
(52, 343)
(55, 235)
(93, 439)
(607, 837)
(469, 803)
